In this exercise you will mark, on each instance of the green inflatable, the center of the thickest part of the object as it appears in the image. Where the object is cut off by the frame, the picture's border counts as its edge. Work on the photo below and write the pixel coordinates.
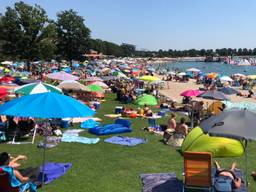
(196, 140)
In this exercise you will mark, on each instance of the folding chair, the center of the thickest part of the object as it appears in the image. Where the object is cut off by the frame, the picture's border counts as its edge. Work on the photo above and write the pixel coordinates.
(5, 184)
(198, 171)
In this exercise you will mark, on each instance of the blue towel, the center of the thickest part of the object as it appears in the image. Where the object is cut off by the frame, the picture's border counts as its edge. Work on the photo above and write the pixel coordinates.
(88, 124)
(129, 141)
(78, 139)
(53, 171)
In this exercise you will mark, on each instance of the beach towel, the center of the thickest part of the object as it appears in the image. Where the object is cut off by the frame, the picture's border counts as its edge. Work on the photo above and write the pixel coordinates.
(161, 182)
(73, 138)
(73, 132)
(53, 171)
(128, 141)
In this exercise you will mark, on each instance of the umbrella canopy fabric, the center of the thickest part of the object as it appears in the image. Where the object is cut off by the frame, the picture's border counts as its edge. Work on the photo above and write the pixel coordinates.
(191, 93)
(193, 70)
(239, 75)
(214, 95)
(146, 100)
(149, 78)
(34, 88)
(228, 90)
(212, 75)
(3, 92)
(46, 105)
(72, 85)
(93, 79)
(101, 84)
(239, 124)
(62, 76)
(226, 78)
(182, 74)
(95, 88)
(7, 79)
(251, 76)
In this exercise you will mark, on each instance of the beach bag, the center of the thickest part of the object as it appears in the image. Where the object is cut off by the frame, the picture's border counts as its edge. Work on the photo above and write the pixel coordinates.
(223, 184)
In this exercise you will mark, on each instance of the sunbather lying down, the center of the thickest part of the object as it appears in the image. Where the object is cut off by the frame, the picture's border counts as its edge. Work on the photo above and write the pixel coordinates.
(228, 173)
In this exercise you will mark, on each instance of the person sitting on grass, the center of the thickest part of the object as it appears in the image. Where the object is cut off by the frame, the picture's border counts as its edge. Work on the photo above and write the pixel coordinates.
(228, 177)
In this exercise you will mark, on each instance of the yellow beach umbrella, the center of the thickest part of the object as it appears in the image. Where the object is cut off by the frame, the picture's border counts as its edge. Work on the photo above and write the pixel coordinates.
(149, 78)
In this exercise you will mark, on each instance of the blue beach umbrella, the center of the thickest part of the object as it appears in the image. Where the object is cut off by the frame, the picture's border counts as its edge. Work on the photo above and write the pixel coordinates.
(46, 105)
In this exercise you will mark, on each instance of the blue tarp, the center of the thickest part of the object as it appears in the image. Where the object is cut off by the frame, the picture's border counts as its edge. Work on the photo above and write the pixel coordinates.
(128, 141)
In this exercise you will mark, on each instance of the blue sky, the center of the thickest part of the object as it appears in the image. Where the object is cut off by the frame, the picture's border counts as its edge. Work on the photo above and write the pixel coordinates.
(163, 24)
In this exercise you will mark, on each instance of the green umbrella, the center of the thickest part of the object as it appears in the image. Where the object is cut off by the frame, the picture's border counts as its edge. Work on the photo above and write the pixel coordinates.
(95, 88)
(34, 88)
(146, 100)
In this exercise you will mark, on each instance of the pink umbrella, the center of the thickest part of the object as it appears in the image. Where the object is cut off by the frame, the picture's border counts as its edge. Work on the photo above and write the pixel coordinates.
(191, 93)
(63, 76)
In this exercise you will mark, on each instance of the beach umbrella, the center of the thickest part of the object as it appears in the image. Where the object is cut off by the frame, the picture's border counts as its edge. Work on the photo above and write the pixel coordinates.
(7, 79)
(212, 75)
(191, 93)
(213, 94)
(193, 70)
(238, 124)
(149, 78)
(95, 88)
(226, 78)
(93, 79)
(181, 74)
(171, 73)
(34, 88)
(146, 99)
(119, 74)
(72, 85)
(151, 69)
(228, 90)
(45, 105)
(7, 63)
(251, 76)
(62, 76)
(101, 84)
(239, 75)
(3, 92)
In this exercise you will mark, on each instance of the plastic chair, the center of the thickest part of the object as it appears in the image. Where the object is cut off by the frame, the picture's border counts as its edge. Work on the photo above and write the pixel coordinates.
(5, 185)
(198, 171)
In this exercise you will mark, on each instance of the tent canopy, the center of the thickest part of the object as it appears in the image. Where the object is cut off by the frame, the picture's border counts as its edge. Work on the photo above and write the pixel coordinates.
(197, 141)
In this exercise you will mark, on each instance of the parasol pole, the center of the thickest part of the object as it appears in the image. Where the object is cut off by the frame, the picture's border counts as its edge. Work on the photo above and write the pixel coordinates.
(246, 163)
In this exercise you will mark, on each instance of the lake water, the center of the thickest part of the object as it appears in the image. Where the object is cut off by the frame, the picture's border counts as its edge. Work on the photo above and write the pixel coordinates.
(208, 67)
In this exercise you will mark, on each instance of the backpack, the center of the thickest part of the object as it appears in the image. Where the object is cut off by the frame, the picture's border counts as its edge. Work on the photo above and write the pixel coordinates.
(223, 184)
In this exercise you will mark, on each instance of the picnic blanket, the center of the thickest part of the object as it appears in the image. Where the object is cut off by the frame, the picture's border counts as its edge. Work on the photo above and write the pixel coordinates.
(161, 182)
(53, 171)
(78, 139)
(72, 135)
(128, 141)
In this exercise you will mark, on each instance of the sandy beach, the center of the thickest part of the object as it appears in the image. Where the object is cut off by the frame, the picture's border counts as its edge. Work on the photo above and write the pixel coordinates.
(172, 90)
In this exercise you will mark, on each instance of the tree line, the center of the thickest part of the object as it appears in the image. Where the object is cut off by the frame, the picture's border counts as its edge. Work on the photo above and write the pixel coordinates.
(27, 33)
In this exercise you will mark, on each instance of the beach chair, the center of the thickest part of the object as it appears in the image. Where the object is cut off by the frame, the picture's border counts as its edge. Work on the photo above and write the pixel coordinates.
(197, 171)
(5, 185)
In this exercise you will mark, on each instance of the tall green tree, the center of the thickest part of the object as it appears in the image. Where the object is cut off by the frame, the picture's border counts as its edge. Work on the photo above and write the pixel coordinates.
(23, 29)
(73, 35)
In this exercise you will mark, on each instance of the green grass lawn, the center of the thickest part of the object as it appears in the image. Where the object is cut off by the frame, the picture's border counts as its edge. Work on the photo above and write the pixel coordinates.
(111, 168)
